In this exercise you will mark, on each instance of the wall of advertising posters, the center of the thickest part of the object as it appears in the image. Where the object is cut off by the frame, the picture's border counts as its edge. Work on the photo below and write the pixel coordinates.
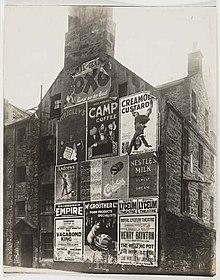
(66, 183)
(90, 180)
(68, 243)
(138, 123)
(143, 175)
(101, 231)
(72, 135)
(102, 135)
(91, 81)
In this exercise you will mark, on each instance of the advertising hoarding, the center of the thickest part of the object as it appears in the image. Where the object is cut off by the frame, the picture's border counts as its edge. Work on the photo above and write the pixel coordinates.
(138, 123)
(63, 210)
(138, 240)
(138, 205)
(101, 240)
(143, 175)
(66, 183)
(102, 135)
(68, 239)
(72, 135)
(91, 81)
(115, 177)
(90, 176)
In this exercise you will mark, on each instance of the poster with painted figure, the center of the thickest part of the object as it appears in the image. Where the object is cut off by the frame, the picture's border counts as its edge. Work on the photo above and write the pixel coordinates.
(138, 123)
(66, 183)
(102, 135)
(115, 177)
(72, 135)
(101, 241)
(90, 177)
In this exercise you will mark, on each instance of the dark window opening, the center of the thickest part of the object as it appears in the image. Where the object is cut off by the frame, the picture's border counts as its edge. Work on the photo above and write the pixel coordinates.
(200, 204)
(212, 164)
(194, 108)
(185, 141)
(200, 159)
(212, 209)
(47, 245)
(48, 198)
(21, 135)
(185, 199)
(48, 148)
(122, 89)
(20, 208)
(55, 109)
(21, 174)
(206, 121)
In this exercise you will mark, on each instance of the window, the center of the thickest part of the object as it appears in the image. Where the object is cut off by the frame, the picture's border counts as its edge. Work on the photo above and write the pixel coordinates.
(48, 148)
(122, 89)
(55, 109)
(200, 159)
(21, 174)
(47, 245)
(200, 204)
(212, 164)
(20, 208)
(185, 141)
(211, 208)
(21, 135)
(185, 201)
(194, 109)
(206, 121)
(48, 198)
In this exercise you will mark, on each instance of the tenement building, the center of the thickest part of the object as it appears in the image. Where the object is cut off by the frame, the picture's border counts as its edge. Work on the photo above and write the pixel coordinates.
(118, 175)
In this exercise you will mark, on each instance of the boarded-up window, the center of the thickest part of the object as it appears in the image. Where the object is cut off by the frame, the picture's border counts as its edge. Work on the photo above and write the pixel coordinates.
(20, 208)
(20, 174)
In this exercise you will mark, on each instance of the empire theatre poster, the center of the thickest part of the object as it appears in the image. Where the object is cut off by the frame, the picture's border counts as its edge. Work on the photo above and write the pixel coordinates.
(139, 122)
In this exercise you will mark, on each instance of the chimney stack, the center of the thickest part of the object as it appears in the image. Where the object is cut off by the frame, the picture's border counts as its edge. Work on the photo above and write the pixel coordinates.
(195, 61)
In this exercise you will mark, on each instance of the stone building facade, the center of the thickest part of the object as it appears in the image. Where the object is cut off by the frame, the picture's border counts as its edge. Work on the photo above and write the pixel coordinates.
(20, 187)
(186, 156)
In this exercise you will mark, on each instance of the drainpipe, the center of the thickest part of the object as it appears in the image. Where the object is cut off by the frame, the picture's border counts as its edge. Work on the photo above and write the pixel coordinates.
(181, 175)
(39, 179)
(13, 199)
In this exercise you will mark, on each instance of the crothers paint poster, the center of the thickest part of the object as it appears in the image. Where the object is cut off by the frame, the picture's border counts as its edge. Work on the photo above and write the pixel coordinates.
(90, 180)
(101, 240)
(139, 123)
(66, 183)
(115, 177)
(143, 175)
(102, 136)
(72, 135)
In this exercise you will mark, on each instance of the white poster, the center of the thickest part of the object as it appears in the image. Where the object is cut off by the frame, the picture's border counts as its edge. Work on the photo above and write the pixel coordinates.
(139, 123)
(138, 240)
(68, 239)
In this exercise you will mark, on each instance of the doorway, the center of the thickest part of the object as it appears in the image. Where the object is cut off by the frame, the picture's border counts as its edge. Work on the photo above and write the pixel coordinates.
(27, 250)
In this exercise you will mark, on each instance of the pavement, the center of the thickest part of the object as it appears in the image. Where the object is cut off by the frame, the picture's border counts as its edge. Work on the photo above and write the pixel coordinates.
(32, 270)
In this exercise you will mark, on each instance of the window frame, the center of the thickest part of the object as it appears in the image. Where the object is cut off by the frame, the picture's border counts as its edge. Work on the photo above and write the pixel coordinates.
(47, 253)
(200, 157)
(185, 142)
(194, 103)
(185, 198)
(18, 210)
(55, 112)
(48, 154)
(21, 176)
(200, 204)
(48, 190)
(206, 121)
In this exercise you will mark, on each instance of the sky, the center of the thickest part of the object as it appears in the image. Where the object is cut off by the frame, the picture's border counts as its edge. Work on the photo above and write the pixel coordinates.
(152, 41)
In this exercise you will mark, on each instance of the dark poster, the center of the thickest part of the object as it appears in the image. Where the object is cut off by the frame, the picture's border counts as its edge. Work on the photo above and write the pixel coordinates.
(143, 172)
(90, 180)
(115, 177)
(72, 135)
(102, 138)
(66, 183)
(101, 231)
